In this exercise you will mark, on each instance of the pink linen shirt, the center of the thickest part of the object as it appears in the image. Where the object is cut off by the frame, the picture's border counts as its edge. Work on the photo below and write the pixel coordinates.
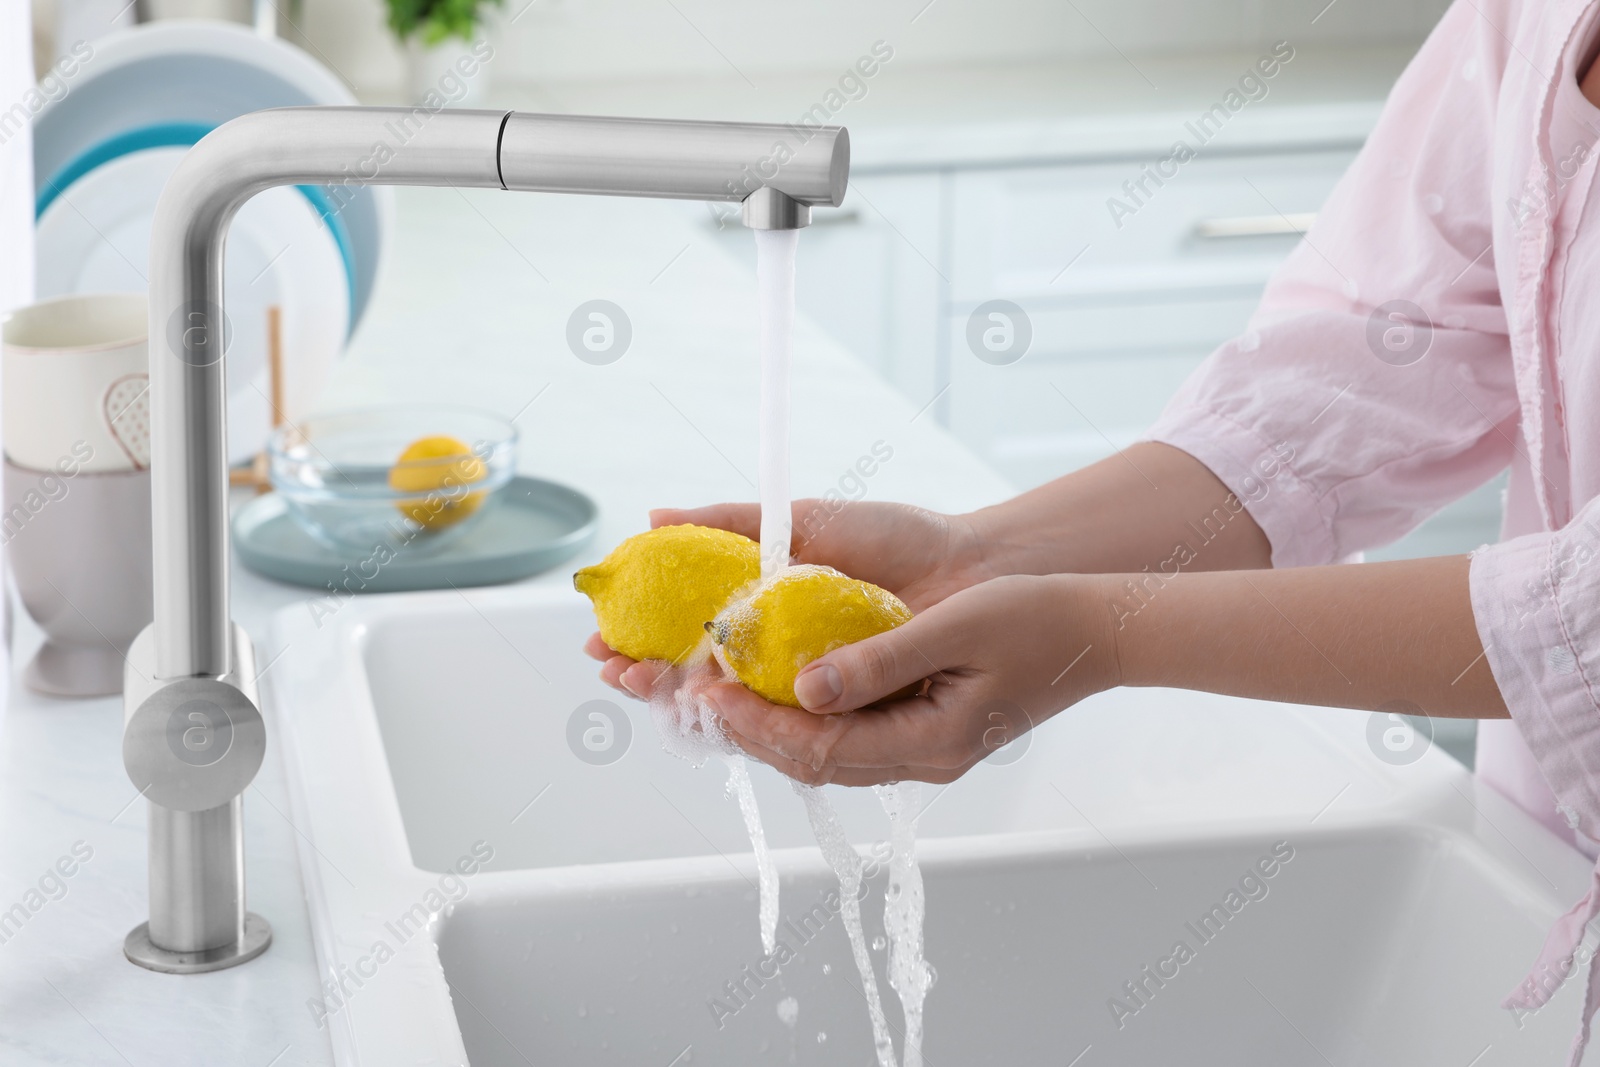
(1470, 204)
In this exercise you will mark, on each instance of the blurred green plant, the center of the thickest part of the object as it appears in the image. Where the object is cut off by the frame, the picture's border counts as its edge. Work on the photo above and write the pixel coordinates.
(432, 21)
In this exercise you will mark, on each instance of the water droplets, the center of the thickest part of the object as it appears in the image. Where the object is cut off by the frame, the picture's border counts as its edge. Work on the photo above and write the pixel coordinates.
(690, 731)
(766, 871)
(903, 912)
(1433, 203)
(847, 866)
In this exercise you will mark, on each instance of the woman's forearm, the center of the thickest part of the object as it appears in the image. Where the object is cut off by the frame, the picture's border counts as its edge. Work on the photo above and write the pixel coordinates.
(1128, 512)
(1346, 636)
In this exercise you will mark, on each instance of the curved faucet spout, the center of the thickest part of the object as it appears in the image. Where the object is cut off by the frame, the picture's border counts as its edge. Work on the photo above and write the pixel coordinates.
(349, 146)
(189, 328)
(779, 172)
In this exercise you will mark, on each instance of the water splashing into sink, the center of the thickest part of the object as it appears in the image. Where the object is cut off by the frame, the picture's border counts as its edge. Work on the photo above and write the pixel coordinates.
(904, 907)
(688, 728)
(847, 865)
(740, 786)
(775, 256)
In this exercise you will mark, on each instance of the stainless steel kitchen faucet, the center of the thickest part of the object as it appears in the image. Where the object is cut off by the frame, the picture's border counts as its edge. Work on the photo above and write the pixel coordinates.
(194, 738)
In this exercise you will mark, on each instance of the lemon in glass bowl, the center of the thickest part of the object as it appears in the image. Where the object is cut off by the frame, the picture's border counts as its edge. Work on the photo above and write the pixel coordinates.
(410, 478)
(441, 470)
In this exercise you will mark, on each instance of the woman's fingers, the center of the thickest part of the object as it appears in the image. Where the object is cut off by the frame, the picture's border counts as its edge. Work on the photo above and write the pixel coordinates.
(737, 518)
(613, 664)
(896, 547)
(869, 671)
(908, 733)
(794, 734)
(612, 670)
(850, 776)
(640, 678)
(620, 672)
(741, 519)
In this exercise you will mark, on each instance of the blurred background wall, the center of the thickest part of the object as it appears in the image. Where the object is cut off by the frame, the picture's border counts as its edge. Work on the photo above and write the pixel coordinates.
(550, 41)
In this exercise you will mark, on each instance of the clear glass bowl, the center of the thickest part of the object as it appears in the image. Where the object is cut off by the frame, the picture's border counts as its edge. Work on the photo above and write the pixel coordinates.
(341, 477)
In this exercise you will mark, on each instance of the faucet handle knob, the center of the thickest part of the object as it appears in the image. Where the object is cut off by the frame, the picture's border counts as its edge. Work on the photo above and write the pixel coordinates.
(194, 744)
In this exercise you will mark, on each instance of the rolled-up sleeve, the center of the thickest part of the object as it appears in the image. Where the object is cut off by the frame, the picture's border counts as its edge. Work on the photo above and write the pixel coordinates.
(1536, 601)
(1378, 415)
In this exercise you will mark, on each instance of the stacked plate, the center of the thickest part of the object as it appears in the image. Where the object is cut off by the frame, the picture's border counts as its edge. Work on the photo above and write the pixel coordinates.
(104, 150)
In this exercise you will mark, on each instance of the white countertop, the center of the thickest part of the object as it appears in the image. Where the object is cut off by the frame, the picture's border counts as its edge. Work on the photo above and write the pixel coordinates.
(473, 309)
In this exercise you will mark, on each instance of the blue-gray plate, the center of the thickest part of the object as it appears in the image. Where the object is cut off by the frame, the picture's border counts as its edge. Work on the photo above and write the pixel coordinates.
(533, 526)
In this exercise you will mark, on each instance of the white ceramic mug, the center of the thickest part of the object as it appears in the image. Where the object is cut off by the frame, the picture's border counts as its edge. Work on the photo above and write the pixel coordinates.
(75, 378)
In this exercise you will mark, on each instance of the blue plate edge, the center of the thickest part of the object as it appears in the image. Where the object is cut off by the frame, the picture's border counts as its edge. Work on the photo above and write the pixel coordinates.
(498, 570)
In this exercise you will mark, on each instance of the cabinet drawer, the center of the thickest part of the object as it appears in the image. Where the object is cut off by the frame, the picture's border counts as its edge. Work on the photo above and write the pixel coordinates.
(1093, 379)
(1127, 324)
(1015, 231)
(1037, 419)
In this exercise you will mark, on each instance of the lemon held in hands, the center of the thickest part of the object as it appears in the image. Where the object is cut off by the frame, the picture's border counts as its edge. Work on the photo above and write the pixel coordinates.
(653, 594)
(801, 615)
(440, 468)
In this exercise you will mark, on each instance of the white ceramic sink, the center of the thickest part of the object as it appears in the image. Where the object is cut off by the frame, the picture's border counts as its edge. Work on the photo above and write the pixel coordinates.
(616, 920)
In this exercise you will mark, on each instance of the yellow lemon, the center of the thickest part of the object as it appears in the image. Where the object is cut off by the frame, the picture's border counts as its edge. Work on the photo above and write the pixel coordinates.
(654, 594)
(440, 468)
(804, 613)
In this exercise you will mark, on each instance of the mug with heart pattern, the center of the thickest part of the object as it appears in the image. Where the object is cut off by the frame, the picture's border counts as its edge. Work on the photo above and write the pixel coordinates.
(74, 374)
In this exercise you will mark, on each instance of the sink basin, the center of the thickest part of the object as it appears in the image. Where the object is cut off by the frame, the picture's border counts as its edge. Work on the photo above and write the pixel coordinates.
(495, 874)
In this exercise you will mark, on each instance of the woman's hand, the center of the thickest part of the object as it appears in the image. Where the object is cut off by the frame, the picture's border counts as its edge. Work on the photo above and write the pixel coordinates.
(1001, 657)
(919, 555)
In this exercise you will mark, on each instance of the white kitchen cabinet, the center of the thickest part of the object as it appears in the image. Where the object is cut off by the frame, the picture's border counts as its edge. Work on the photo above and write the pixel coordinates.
(868, 274)
(1116, 333)
(1016, 229)
(1119, 315)
(895, 274)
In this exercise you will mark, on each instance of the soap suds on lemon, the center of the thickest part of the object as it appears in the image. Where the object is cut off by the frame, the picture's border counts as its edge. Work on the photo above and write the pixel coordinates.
(798, 616)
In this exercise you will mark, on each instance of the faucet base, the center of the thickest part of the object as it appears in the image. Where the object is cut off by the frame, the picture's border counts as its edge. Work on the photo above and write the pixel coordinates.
(141, 950)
